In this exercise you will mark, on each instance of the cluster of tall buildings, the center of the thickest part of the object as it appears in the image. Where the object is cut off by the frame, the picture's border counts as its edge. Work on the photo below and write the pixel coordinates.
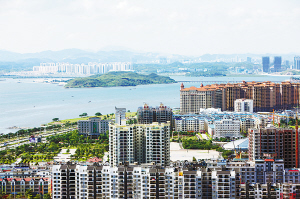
(266, 96)
(90, 68)
(276, 65)
(266, 64)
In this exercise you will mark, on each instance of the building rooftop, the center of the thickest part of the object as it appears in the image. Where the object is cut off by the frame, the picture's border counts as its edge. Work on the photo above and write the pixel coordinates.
(237, 144)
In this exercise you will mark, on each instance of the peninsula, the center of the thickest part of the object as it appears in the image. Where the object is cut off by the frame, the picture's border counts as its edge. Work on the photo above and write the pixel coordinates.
(113, 79)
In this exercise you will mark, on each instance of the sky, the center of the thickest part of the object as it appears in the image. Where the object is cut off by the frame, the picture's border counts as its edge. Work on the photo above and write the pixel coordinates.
(189, 27)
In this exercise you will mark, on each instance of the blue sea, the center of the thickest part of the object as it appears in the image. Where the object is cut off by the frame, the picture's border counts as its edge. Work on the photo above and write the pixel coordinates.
(26, 103)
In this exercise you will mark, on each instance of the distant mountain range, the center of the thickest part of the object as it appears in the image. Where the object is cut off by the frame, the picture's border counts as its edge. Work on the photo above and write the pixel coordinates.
(80, 56)
(12, 61)
(111, 55)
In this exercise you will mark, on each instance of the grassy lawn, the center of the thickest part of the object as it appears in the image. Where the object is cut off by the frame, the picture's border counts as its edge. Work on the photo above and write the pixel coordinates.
(209, 136)
(131, 114)
(128, 114)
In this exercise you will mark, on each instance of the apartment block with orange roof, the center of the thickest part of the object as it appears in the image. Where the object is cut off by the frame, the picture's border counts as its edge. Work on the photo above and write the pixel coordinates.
(266, 96)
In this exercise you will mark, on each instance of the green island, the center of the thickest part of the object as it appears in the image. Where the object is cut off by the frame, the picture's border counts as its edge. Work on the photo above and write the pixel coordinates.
(113, 79)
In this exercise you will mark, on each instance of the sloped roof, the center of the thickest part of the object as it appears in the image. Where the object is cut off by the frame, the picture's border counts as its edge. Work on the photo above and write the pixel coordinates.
(95, 159)
(237, 144)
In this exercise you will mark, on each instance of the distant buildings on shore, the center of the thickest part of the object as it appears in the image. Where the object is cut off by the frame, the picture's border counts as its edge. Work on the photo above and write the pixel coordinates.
(90, 68)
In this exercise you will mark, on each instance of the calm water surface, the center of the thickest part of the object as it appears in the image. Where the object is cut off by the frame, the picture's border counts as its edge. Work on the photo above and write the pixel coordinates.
(25, 103)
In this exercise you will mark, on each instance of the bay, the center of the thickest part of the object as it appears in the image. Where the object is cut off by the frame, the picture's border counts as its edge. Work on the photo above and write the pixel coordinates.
(25, 103)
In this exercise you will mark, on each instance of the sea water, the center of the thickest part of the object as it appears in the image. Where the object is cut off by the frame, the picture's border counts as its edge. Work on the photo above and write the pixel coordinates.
(27, 103)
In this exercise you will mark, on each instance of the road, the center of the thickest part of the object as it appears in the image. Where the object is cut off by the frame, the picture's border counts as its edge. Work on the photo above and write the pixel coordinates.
(22, 141)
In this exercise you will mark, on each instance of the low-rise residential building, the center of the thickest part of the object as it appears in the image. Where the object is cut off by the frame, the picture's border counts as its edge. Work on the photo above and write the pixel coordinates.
(92, 127)
(19, 186)
(192, 124)
(227, 128)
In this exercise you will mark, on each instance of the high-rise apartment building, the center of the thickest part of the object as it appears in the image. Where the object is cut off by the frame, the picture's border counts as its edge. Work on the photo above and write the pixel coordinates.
(273, 143)
(243, 105)
(120, 114)
(266, 64)
(160, 114)
(296, 63)
(141, 143)
(277, 64)
(266, 96)
(192, 99)
(92, 127)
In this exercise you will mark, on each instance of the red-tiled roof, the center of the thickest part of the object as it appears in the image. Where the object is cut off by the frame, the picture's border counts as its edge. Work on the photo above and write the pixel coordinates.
(269, 160)
(95, 159)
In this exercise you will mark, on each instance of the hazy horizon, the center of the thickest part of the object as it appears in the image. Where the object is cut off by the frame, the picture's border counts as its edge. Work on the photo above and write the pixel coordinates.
(190, 28)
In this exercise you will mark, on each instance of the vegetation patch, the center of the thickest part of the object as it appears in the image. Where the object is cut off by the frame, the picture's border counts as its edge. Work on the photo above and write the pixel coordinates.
(194, 143)
(113, 79)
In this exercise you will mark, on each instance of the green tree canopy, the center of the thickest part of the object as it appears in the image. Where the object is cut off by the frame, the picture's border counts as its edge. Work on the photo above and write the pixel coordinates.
(29, 193)
(83, 115)
(98, 114)
(55, 119)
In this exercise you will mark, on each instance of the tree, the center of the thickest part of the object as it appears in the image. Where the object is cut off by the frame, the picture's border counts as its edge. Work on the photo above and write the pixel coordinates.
(29, 193)
(38, 196)
(98, 114)
(47, 196)
(56, 119)
(83, 115)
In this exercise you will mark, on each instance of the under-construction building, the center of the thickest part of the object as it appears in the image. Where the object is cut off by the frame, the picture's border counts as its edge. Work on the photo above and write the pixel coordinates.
(274, 143)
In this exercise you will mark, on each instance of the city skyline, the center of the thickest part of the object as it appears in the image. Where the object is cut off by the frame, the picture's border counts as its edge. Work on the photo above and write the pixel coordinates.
(193, 28)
